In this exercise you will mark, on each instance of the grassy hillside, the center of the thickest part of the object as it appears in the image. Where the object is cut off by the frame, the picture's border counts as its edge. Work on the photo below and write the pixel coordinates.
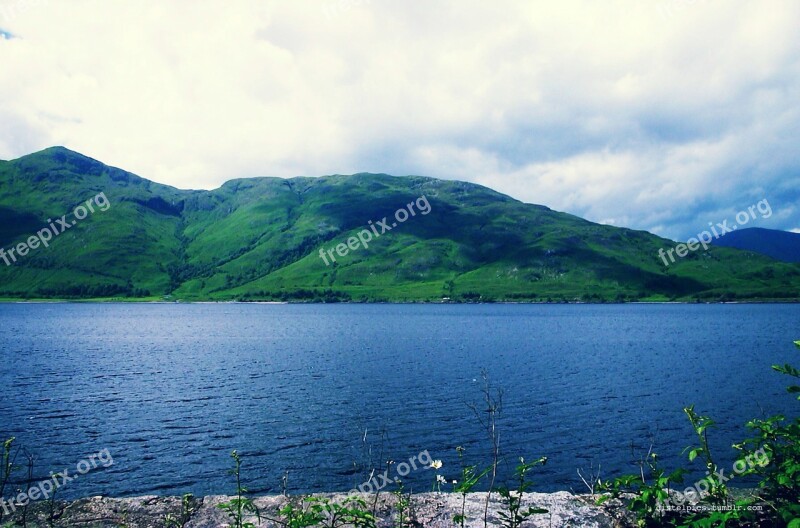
(260, 239)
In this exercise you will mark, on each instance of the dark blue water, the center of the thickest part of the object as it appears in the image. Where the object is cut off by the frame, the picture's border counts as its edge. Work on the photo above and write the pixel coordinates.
(326, 392)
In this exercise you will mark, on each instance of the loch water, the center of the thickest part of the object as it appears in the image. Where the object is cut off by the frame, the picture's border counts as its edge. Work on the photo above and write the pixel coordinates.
(326, 392)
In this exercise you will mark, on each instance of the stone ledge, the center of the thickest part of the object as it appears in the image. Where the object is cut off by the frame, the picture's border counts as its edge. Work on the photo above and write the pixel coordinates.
(435, 510)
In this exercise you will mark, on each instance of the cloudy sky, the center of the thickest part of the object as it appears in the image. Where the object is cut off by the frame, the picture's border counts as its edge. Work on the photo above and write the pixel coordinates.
(661, 115)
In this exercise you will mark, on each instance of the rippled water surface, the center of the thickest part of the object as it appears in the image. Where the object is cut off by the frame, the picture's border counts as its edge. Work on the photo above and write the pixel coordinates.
(321, 391)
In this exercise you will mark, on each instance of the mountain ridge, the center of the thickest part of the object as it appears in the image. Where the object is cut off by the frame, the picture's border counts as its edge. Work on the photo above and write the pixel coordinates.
(261, 239)
(779, 245)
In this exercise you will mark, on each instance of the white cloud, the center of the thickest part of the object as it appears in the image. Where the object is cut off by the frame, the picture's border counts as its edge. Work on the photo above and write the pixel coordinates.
(654, 115)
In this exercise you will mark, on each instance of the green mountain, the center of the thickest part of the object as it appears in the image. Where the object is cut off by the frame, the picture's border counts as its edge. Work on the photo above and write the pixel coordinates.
(260, 239)
(780, 245)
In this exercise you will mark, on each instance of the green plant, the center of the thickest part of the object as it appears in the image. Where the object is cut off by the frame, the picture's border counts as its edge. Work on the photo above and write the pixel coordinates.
(469, 479)
(29, 483)
(241, 505)
(352, 512)
(514, 515)
(650, 489)
(773, 455)
(402, 505)
(714, 481)
(592, 479)
(187, 509)
(389, 464)
(488, 417)
(717, 490)
(298, 517)
(320, 511)
(51, 502)
(7, 468)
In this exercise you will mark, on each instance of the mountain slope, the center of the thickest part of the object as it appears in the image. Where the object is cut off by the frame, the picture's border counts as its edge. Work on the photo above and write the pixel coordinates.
(780, 245)
(123, 249)
(260, 238)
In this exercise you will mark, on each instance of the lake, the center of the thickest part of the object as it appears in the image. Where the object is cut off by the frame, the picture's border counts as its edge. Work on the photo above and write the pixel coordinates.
(325, 392)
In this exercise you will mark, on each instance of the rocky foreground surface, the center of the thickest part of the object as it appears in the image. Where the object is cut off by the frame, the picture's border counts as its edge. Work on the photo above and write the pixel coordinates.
(426, 510)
